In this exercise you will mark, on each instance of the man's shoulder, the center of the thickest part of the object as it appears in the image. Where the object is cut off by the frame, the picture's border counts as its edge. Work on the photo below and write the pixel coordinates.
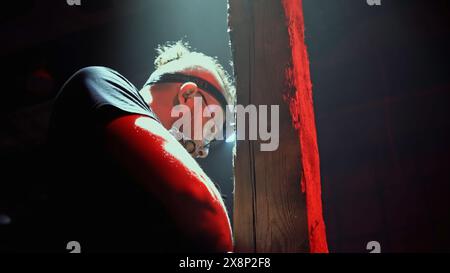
(97, 94)
(100, 85)
(96, 72)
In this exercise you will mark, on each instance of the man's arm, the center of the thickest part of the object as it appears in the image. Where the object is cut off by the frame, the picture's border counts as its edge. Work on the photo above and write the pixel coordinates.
(161, 165)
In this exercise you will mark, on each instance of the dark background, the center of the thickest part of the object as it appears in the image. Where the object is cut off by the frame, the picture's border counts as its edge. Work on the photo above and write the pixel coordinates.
(381, 91)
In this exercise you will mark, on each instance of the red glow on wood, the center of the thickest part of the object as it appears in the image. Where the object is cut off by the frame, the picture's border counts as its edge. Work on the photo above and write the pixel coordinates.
(302, 111)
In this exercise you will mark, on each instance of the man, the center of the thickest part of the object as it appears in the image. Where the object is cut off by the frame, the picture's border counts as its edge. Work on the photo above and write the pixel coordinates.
(123, 182)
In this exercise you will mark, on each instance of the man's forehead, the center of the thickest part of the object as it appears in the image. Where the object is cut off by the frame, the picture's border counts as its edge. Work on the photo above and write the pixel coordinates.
(205, 77)
(210, 76)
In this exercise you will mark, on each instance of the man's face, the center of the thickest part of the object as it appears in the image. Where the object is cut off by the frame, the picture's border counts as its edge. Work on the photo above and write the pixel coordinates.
(199, 107)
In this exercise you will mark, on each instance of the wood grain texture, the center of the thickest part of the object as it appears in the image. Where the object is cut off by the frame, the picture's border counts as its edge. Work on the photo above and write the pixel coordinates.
(244, 193)
(269, 207)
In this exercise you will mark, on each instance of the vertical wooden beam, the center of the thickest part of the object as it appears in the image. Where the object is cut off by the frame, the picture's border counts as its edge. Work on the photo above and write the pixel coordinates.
(244, 189)
(269, 206)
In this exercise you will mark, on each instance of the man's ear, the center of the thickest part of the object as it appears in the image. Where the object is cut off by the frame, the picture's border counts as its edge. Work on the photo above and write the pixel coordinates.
(187, 90)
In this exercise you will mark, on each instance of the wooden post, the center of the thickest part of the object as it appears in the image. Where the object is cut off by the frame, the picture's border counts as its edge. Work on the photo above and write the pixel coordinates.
(269, 206)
